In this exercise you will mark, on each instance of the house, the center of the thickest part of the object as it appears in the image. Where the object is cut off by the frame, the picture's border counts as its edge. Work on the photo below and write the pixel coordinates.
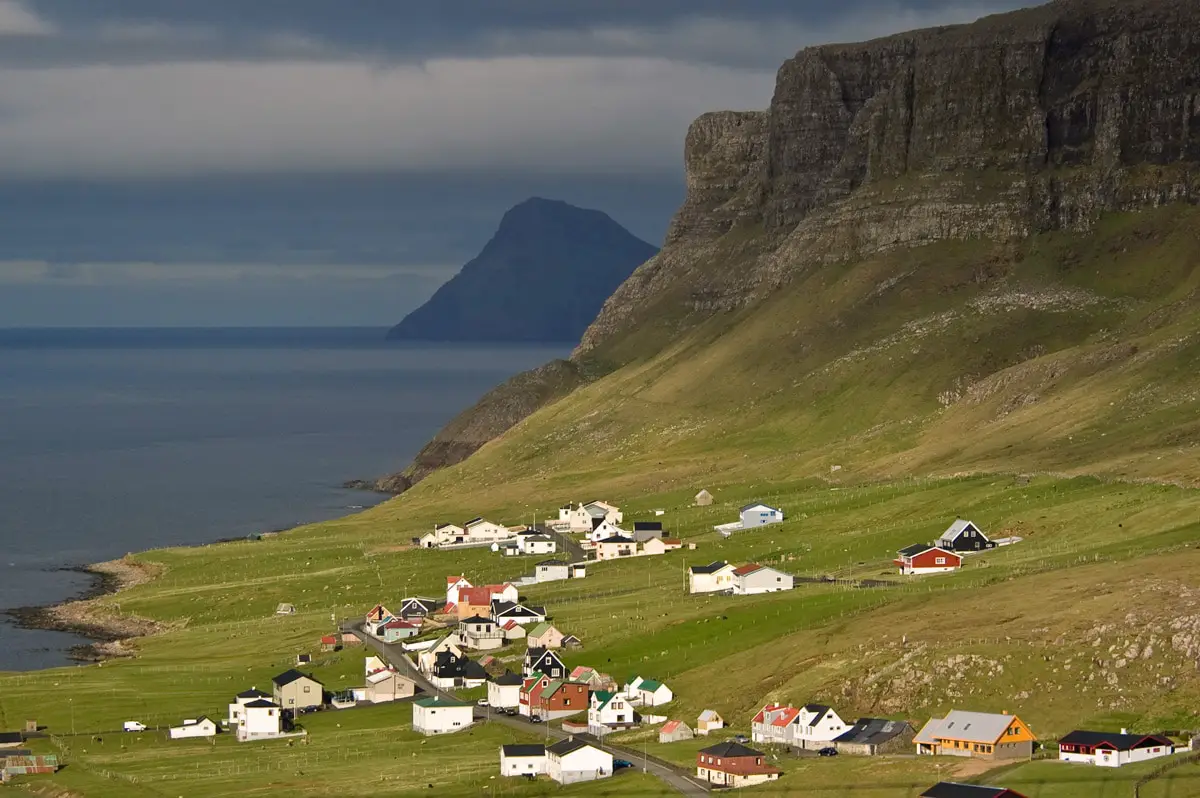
(505, 690)
(479, 530)
(473, 601)
(544, 635)
(261, 719)
(964, 536)
(646, 530)
(950, 789)
(452, 670)
(648, 692)
(240, 701)
(198, 727)
(513, 630)
(816, 725)
(377, 615)
(303, 659)
(571, 761)
(585, 517)
(1112, 750)
(538, 544)
(543, 661)
(773, 724)
(427, 657)
(656, 546)
(873, 736)
(922, 558)
(753, 515)
(396, 629)
(732, 764)
(329, 643)
(709, 721)
(552, 570)
(386, 685)
(445, 534)
(480, 633)
(453, 585)
(285, 609)
(673, 731)
(417, 608)
(523, 614)
(555, 698)
(522, 760)
(294, 691)
(614, 547)
(610, 710)
(976, 734)
(571, 641)
(711, 578)
(603, 529)
(594, 678)
(440, 715)
(753, 578)
(703, 499)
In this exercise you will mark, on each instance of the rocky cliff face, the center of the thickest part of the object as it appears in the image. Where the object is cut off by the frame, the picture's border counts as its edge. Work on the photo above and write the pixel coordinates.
(1038, 120)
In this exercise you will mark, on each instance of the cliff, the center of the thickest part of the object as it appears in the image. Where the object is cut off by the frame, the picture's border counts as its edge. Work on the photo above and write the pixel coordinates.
(541, 278)
(939, 167)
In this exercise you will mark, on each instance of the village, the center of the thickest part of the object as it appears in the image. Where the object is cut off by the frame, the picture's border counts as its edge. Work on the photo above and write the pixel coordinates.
(482, 653)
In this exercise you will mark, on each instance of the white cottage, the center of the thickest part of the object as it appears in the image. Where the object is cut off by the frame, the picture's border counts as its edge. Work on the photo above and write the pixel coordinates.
(504, 691)
(753, 515)
(571, 761)
(1106, 749)
(753, 578)
(194, 727)
(261, 720)
(712, 578)
(522, 760)
(438, 715)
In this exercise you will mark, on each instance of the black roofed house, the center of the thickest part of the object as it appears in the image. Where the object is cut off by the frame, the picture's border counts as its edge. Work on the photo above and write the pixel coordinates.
(523, 614)
(545, 661)
(647, 530)
(1107, 749)
(294, 691)
(615, 546)
(873, 736)
(522, 760)
(453, 669)
(950, 789)
(573, 760)
(11, 739)
(964, 536)
(731, 764)
(712, 578)
(505, 690)
(417, 607)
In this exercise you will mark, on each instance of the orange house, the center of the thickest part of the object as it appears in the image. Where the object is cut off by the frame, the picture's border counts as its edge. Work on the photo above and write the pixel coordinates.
(976, 734)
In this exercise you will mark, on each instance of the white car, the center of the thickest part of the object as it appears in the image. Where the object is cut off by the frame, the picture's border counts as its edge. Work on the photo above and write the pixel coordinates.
(134, 726)
(483, 702)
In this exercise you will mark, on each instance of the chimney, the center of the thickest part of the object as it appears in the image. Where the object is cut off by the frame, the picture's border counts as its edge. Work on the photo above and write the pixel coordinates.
(1124, 730)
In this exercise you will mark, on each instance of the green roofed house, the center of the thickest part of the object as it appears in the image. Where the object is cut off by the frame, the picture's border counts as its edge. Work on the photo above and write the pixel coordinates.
(648, 692)
(439, 715)
(544, 635)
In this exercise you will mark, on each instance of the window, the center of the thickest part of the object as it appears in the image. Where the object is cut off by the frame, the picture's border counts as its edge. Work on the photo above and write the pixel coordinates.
(940, 561)
(307, 689)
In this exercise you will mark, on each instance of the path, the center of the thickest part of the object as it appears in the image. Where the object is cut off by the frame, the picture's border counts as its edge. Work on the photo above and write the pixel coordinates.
(394, 653)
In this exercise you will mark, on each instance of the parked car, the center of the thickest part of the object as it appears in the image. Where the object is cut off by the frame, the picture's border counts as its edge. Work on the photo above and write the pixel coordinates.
(134, 726)
(535, 719)
(830, 751)
(741, 738)
(483, 702)
(621, 764)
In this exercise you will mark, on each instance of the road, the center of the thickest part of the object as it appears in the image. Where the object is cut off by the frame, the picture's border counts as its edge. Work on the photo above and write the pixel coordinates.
(395, 655)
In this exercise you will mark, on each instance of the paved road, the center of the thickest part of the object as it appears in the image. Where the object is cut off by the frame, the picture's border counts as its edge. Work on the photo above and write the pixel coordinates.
(395, 654)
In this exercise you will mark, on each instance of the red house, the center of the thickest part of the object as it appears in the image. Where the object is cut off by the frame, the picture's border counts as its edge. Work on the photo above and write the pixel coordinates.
(732, 764)
(555, 698)
(925, 559)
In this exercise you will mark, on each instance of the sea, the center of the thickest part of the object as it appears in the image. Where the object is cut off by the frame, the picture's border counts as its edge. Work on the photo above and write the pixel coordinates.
(122, 440)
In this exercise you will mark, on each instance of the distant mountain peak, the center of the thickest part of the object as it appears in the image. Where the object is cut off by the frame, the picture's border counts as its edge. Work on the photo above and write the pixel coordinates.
(542, 277)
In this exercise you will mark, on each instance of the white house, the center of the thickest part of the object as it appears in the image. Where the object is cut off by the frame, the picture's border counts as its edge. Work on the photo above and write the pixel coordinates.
(709, 721)
(585, 517)
(522, 760)
(571, 761)
(538, 544)
(505, 691)
(610, 709)
(656, 546)
(524, 614)
(261, 720)
(615, 547)
(482, 634)
(442, 535)
(480, 530)
(809, 726)
(605, 529)
(194, 727)
(648, 692)
(453, 585)
(753, 515)
(241, 700)
(753, 578)
(438, 715)
(552, 570)
(1112, 750)
(711, 578)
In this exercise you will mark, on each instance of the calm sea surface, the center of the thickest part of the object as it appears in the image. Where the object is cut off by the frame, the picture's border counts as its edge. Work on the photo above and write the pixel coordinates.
(114, 441)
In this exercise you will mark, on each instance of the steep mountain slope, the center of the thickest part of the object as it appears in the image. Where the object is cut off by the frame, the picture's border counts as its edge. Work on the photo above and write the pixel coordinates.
(956, 249)
(542, 277)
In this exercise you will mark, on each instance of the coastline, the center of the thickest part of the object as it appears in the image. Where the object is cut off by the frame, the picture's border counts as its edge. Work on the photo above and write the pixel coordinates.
(89, 615)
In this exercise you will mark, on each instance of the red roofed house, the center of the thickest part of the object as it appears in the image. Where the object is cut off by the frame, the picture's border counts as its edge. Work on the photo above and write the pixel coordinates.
(924, 559)
(453, 585)
(329, 643)
(396, 629)
(732, 764)
(673, 731)
(378, 614)
(771, 724)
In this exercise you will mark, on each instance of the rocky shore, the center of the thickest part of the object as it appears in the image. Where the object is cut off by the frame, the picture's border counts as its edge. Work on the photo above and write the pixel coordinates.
(93, 616)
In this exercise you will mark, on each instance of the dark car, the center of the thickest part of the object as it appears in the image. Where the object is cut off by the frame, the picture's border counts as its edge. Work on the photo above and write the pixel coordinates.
(535, 719)
(741, 738)
(620, 764)
(827, 752)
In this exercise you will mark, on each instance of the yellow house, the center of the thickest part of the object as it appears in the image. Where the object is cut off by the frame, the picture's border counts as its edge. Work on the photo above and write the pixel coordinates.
(976, 734)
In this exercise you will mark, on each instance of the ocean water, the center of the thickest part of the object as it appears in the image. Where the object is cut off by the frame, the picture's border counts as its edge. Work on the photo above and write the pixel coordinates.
(114, 441)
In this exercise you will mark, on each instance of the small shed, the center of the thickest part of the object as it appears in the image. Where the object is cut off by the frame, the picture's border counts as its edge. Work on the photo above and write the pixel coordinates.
(285, 609)
(304, 659)
(673, 731)
(709, 721)
(704, 498)
(329, 643)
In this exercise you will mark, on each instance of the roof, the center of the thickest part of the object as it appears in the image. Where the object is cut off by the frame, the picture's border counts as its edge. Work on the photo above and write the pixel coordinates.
(950, 789)
(957, 528)
(563, 563)
(974, 727)
(397, 623)
(760, 504)
(541, 629)
(709, 714)
(581, 671)
(523, 750)
(450, 580)
(730, 748)
(748, 568)
(473, 521)
(381, 676)
(441, 701)
(873, 731)
(474, 595)
(442, 526)
(915, 549)
(711, 568)
(289, 676)
(603, 696)
(568, 746)
(649, 685)
(539, 537)
(672, 726)
(647, 525)
(1119, 742)
(473, 670)
(253, 692)
(617, 539)
(508, 679)
(11, 737)
(476, 619)
(328, 638)
(262, 704)
(509, 608)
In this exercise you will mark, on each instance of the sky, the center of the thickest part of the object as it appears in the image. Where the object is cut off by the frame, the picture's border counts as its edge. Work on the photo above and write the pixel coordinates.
(318, 162)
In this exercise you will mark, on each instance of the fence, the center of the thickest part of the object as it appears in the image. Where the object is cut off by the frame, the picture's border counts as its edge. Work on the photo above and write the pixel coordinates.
(1162, 770)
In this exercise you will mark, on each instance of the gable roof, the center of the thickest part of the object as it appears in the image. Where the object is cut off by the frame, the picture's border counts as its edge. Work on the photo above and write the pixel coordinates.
(523, 750)
(950, 789)
(728, 749)
(711, 568)
(958, 527)
(568, 746)
(1118, 742)
(873, 731)
(477, 619)
(541, 629)
(760, 504)
(748, 568)
(508, 679)
(11, 737)
(474, 595)
(709, 715)
(450, 580)
(253, 692)
(647, 526)
(617, 539)
(649, 685)
(974, 727)
(289, 676)
(441, 701)
(397, 623)
(672, 726)
(603, 697)
(915, 549)
(262, 703)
